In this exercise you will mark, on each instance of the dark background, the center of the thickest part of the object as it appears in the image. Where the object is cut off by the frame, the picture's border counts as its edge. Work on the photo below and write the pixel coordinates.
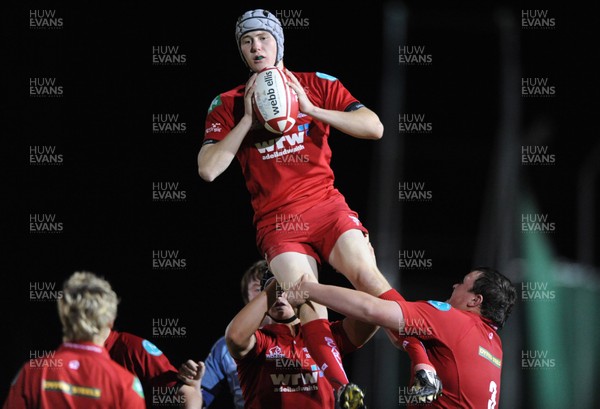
(103, 127)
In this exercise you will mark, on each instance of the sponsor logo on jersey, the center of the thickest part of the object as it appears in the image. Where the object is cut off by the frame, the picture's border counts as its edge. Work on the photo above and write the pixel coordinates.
(74, 390)
(484, 353)
(295, 379)
(275, 353)
(214, 127)
(284, 145)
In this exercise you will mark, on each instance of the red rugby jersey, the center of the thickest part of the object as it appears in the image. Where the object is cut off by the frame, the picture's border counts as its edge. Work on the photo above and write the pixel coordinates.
(284, 173)
(141, 357)
(464, 348)
(76, 375)
(280, 373)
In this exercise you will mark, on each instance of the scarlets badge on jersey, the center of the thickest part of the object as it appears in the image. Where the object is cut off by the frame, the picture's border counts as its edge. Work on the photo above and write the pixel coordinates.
(151, 348)
(440, 305)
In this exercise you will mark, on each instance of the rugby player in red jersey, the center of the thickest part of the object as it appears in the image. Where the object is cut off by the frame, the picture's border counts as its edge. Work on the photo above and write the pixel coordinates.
(459, 335)
(275, 368)
(80, 373)
(302, 220)
(163, 384)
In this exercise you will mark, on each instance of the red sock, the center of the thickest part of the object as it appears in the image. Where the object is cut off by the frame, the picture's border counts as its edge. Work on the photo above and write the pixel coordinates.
(319, 341)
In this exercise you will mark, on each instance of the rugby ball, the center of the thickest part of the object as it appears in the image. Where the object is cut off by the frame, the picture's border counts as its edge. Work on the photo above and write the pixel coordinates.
(275, 102)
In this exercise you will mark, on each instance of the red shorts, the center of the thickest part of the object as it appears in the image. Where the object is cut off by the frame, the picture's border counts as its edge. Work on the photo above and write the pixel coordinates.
(313, 232)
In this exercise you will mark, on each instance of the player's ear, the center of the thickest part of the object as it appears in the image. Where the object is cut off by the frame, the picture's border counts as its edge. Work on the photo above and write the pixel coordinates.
(475, 301)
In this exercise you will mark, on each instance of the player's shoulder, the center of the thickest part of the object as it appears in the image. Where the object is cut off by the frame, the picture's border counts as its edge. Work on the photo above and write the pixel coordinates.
(437, 305)
(273, 332)
(138, 343)
(234, 92)
(269, 329)
(103, 363)
(315, 76)
(127, 338)
(219, 345)
(226, 98)
(24, 371)
(459, 316)
(220, 341)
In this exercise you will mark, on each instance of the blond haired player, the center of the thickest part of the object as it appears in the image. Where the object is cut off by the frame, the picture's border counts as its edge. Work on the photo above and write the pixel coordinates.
(80, 374)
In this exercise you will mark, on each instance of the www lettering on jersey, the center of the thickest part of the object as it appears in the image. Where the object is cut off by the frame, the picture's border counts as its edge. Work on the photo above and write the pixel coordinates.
(280, 143)
(307, 378)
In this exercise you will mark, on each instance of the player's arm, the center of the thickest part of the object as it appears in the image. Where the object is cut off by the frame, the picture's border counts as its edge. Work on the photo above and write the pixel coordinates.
(360, 123)
(239, 334)
(352, 303)
(214, 158)
(16, 393)
(191, 373)
(214, 375)
(358, 332)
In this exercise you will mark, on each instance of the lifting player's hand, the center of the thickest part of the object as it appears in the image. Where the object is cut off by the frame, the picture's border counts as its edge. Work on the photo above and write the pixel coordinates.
(191, 373)
(296, 296)
(266, 279)
(427, 386)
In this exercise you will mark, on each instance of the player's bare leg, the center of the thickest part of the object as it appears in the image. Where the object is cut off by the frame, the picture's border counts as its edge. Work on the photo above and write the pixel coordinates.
(353, 257)
(288, 269)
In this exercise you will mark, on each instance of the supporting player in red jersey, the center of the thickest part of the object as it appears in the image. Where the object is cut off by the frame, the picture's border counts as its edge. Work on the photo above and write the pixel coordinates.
(80, 373)
(301, 219)
(275, 367)
(460, 335)
(162, 383)
(221, 369)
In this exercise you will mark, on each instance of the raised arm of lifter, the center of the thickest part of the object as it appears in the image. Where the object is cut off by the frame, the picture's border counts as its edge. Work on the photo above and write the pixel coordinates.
(351, 303)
